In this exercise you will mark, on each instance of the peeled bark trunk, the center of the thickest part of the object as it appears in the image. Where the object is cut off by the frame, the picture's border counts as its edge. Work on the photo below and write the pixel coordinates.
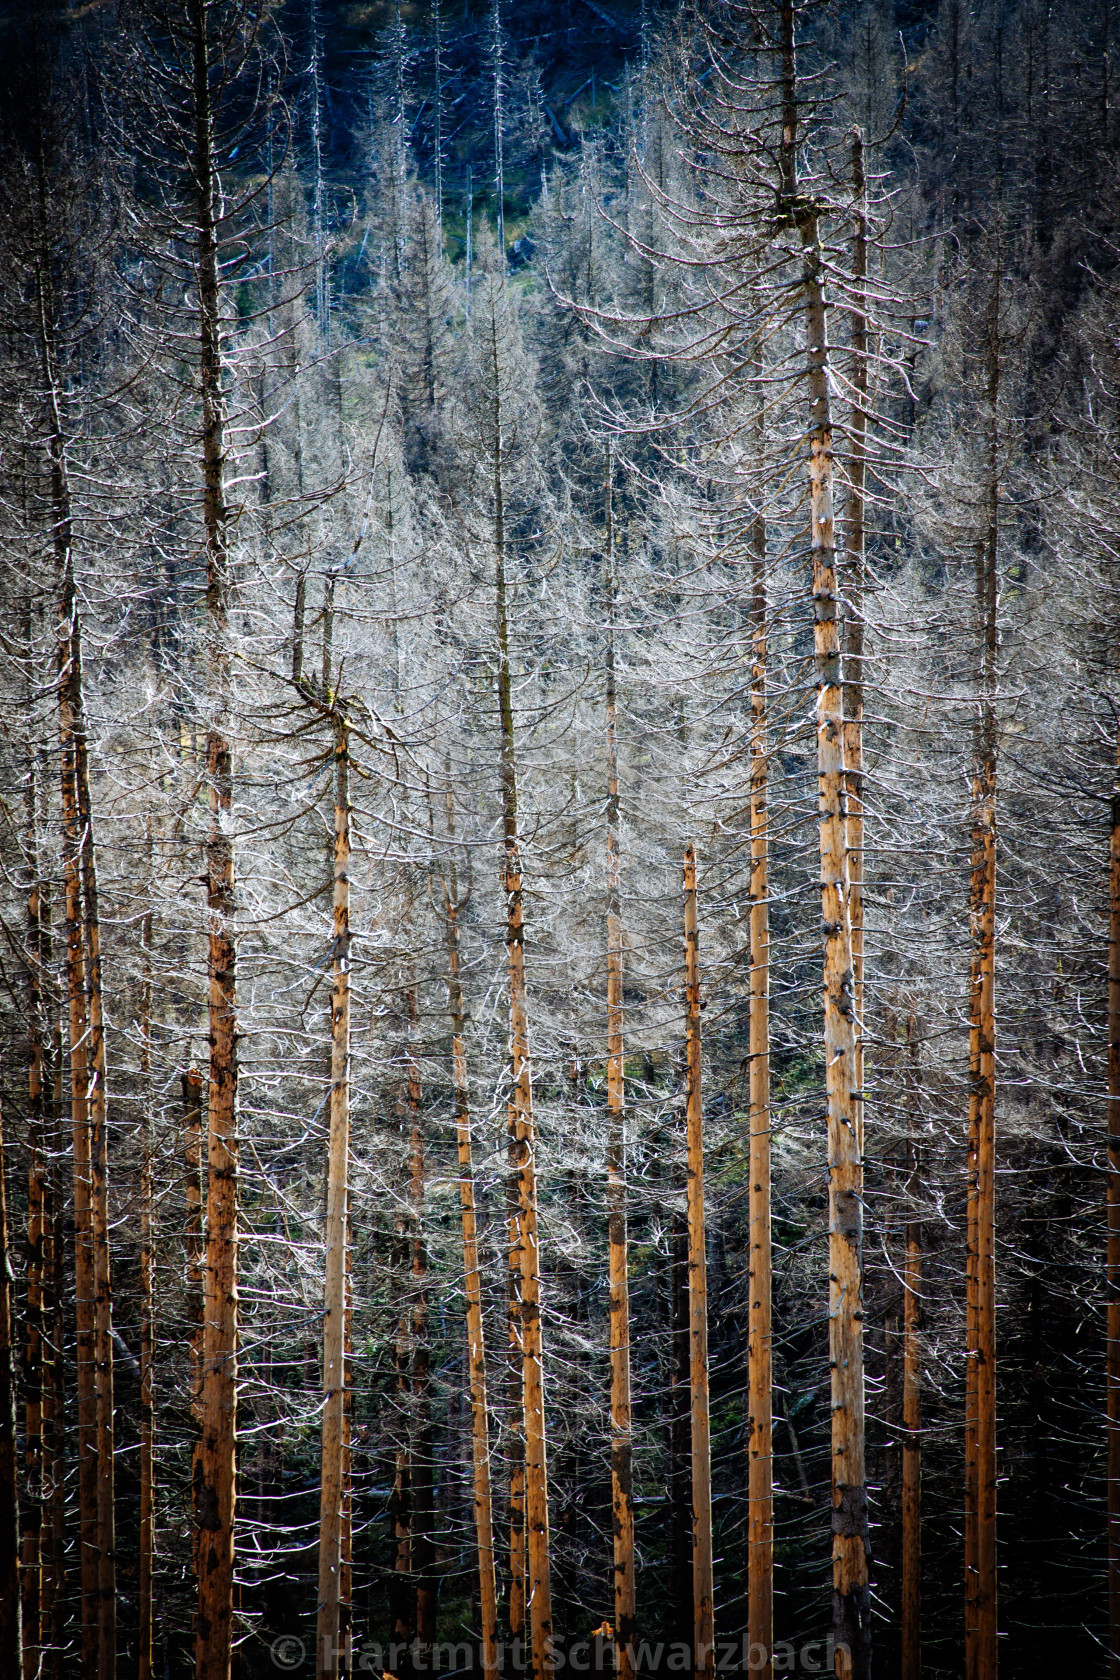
(622, 1487)
(215, 1479)
(334, 1608)
(980, 1327)
(853, 607)
(515, 1604)
(760, 1416)
(851, 1596)
(703, 1605)
(472, 1293)
(538, 1570)
(11, 1609)
(851, 1602)
(911, 1594)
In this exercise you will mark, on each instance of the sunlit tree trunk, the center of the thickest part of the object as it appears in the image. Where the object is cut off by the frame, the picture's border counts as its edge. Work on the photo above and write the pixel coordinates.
(851, 1600)
(854, 606)
(703, 1603)
(333, 1614)
(760, 1415)
(622, 1488)
(215, 1471)
(472, 1292)
(538, 1569)
(850, 1529)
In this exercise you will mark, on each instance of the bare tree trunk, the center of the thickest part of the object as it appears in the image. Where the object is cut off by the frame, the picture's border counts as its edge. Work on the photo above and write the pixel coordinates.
(11, 1607)
(980, 1436)
(703, 1603)
(622, 1486)
(853, 607)
(851, 1597)
(146, 1566)
(333, 1616)
(87, 1060)
(523, 1131)
(472, 1292)
(215, 1480)
(99, 1185)
(516, 1406)
(38, 1239)
(191, 1082)
(85, 1280)
(760, 1418)
(423, 1550)
(911, 1594)
(54, 1377)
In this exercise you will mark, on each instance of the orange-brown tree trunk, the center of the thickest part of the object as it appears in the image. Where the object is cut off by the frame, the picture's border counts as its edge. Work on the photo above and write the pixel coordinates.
(215, 1471)
(760, 1413)
(472, 1293)
(981, 1656)
(622, 1482)
(854, 606)
(851, 1594)
(851, 1603)
(703, 1598)
(523, 1133)
(334, 1610)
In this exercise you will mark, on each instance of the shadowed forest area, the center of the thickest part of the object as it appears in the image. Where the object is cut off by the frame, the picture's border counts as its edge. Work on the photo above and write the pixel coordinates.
(559, 838)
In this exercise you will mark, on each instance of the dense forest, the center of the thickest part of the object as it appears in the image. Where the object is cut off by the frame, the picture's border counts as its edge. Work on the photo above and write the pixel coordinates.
(559, 838)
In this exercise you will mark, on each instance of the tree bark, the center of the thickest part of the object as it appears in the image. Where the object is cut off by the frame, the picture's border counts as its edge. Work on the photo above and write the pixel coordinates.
(215, 1479)
(334, 1610)
(851, 1603)
(911, 1593)
(146, 1562)
(11, 1607)
(472, 1292)
(39, 1239)
(87, 1045)
(980, 1329)
(853, 605)
(423, 1466)
(538, 1570)
(622, 1488)
(760, 1417)
(851, 1597)
(703, 1608)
